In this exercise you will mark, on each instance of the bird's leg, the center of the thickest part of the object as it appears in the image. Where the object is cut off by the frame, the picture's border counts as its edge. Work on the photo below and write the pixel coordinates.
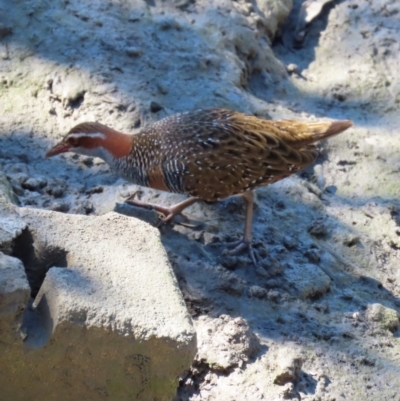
(168, 213)
(245, 242)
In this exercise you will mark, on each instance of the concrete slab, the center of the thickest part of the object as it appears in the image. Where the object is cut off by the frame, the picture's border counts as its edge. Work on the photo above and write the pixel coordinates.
(108, 322)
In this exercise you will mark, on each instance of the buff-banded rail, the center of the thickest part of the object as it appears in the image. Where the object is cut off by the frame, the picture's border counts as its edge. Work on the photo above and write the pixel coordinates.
(207, 154)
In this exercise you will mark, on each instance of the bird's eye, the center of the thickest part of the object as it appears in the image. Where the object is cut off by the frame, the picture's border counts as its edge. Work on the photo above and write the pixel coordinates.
(73, 142)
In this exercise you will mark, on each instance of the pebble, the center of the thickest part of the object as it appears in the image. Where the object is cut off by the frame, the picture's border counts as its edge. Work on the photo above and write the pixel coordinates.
(225, 342)
(271, 266)
(55, 190)
(288, 366)
(308, 279)
(84, 207)
(133, 51)
(273, 295)
(312, 255)
(292, 68)
(135, 15)
(384, 317)
(289, 242)
(272, 282)
(228, 261)
(257, 292)
(167, 23)
(318, 229)
(163, 88)
(34, 184)
(210, 238)
(288, 392)
(95, 190)
(60, 207)
(232, 284)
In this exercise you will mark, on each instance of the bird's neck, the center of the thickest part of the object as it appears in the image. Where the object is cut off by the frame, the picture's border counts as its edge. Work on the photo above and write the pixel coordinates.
(116, 143)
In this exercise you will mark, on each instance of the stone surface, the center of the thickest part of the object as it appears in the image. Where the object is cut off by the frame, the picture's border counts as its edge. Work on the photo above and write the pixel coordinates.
(6, 192)
(14, 296)
(109, 319)
(308, 279)
(274, 12)
(10, 225)
(217, 342)
(288, 366)
(383, 316)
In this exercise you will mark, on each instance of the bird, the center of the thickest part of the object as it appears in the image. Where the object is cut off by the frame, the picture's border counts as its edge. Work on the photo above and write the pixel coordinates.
(206, 154)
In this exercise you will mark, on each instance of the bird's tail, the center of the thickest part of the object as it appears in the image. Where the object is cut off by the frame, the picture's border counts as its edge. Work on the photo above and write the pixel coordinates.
(325, 130)
(300, 134)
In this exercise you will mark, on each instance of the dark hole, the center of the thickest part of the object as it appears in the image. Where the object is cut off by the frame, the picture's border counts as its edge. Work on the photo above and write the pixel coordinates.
(37, 258)
(77, 102)
(155, 107)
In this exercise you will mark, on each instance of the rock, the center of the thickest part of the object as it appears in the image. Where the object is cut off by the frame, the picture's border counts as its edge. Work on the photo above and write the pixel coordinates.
(111, 322)
(225, 342)
(313, 255)
(288, 392)
(14, 296)
(34, 183)
(274, 12)
(288, 366)
(318, 229)
(231, 284)
(309, 10)
(69, 86)
(10, 225)
(133, 51)
(308, 279)
(84, 206)
(386, 318)
(56, 190)
(95, 190)
(6, 191)
(289, 242)
(229, 261)
(273, 295)
(62, 207)
(257, 292)
(292, 68)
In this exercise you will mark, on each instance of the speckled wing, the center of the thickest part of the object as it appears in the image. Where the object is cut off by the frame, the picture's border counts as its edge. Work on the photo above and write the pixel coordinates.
(213, 154)
(216, 153)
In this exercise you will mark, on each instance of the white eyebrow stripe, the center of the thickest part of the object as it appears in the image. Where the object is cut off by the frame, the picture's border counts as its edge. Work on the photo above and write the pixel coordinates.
(87, 134)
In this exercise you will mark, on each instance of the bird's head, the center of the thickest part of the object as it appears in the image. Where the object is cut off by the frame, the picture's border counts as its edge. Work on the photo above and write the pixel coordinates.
(93, 139)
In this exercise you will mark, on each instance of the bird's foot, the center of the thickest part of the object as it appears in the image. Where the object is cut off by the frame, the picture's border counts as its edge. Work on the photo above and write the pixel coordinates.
(239, 246)
(165, 213)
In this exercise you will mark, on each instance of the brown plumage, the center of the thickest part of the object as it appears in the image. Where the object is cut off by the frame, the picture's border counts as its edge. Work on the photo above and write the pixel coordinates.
(208, 154)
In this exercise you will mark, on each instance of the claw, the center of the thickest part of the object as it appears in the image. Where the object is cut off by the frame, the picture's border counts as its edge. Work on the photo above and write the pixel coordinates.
(239, 246)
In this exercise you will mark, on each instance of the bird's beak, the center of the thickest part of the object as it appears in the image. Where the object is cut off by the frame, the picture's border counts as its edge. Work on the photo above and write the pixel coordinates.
(61, 147)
